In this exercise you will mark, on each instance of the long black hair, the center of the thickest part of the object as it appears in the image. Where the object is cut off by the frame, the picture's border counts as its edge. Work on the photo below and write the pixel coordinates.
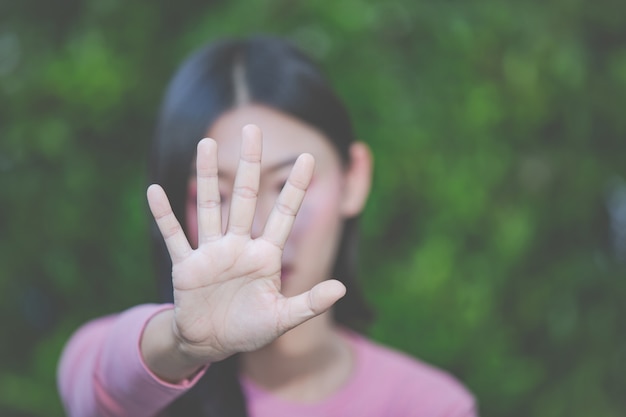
(218, 77)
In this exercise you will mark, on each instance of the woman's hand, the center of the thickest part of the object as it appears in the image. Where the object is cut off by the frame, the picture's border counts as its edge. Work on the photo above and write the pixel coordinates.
(227, 291)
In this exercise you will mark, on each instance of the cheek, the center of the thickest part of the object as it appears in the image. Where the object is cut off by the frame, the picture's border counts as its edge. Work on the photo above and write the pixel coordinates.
(319, 217)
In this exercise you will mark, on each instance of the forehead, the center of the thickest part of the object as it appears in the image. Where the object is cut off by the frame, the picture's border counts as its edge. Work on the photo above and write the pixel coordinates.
(284, 137)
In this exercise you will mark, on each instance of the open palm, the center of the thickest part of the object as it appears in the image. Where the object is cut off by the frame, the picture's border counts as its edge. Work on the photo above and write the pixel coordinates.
(227, 291)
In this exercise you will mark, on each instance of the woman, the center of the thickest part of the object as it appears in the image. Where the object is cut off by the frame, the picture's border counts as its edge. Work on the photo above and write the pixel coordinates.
(256, 326)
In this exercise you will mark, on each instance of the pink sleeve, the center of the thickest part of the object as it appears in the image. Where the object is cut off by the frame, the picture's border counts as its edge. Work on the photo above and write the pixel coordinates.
(466, 407)
(101, 371)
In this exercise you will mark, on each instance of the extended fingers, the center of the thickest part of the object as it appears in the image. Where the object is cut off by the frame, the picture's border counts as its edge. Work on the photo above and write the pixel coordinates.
(246, 188)
(282, 217)
(173, 234)
(208, 200)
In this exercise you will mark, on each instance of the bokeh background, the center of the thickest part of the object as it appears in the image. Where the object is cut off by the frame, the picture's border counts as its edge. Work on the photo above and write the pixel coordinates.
(495, 239)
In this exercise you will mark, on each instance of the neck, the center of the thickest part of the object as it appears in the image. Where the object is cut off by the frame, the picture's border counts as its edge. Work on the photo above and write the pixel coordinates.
(306, 364)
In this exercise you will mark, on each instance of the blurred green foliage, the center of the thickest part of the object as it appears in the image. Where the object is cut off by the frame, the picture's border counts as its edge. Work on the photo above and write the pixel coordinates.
(495, 239)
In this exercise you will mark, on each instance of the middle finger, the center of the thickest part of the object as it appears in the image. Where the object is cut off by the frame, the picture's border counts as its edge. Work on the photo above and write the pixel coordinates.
(246, 188)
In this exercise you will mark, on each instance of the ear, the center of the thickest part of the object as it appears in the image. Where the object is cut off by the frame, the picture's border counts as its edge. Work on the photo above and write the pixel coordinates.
(358, 179)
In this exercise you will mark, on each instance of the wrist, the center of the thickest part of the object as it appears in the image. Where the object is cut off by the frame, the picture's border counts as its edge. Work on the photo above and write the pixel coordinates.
(163, 352)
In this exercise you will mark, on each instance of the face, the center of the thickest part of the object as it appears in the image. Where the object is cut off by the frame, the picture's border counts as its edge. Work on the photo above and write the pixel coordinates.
(310, 251)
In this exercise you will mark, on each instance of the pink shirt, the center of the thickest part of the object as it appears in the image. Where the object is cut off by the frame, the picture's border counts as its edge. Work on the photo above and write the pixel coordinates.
(102, 373)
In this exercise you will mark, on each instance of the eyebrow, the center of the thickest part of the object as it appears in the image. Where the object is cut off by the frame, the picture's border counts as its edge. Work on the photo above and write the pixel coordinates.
(280, 165)
(268, 170)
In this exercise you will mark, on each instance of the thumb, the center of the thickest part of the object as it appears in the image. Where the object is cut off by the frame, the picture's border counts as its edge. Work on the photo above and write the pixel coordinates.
(307, 305)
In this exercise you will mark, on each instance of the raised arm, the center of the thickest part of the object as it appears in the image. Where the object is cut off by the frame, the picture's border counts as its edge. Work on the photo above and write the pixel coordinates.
(226, 292)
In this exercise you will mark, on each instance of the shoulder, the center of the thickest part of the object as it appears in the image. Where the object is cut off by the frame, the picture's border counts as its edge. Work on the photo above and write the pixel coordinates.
(394, 364)
(411, 383)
